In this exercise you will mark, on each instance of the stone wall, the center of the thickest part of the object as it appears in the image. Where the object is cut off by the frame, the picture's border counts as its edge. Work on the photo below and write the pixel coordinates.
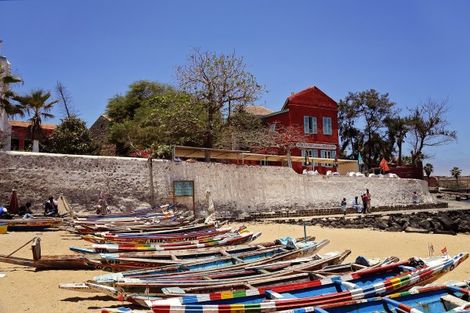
(234, 187)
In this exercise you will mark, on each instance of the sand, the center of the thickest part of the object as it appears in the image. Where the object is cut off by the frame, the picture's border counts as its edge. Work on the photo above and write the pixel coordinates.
(23, 290)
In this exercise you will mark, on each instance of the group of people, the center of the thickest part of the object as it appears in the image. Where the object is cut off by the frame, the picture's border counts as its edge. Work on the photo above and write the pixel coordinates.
(360, 206)
(51, 208)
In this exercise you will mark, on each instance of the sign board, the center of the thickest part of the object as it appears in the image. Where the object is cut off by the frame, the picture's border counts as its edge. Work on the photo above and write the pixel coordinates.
(308, 145)
(183, 193)
(183, 188)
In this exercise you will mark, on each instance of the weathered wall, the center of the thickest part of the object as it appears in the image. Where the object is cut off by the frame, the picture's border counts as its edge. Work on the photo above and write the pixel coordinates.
(81, 178)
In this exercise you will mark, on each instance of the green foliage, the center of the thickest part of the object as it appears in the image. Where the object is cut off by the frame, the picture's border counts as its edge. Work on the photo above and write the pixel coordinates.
(38, 106)
(71, 137)
(122, 108)
(362, 127)
(172, 118)
(397, 129)
(162, 152)
(428, 169)
(456, 173)
(8, 98)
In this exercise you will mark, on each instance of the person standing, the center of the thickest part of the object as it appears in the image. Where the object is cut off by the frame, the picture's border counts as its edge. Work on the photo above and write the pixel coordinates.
(364, 203)
(343, 205)
(369, 198)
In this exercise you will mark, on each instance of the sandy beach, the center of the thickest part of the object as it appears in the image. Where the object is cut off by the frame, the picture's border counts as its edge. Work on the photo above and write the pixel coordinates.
(24, 290)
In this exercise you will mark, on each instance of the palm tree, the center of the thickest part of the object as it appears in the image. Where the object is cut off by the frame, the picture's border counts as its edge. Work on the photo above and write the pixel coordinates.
(456, 172)
(397, 129)
(38, 107)
(8, 98)
(428, 169)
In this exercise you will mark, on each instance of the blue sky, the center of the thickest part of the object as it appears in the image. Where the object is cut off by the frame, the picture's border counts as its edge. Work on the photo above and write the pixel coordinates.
(414, 50)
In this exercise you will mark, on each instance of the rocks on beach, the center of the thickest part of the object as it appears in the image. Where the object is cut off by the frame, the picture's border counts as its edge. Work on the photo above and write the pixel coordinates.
(442, 222)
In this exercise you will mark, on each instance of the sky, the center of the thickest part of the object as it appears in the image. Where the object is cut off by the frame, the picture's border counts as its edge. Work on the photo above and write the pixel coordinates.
(413, 50)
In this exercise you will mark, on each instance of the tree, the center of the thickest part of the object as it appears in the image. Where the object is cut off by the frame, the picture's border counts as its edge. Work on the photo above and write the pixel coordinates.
(220, 83)
(397, 129)
(121, 109)
(244, 131)
(173, 118)
(71, 137)
(64, 97)
(8, 98)
(456, 172)
(428, 169)
(286, 138)
(38, 107)
(371, 109)
(429, 127)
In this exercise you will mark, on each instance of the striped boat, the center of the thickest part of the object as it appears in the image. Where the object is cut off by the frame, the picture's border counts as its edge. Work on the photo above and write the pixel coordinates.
(286, 252)
(432, 299)
(326, 291)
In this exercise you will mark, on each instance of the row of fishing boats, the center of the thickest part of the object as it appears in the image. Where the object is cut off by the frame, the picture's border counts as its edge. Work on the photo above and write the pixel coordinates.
(161, 261)
(176, 265)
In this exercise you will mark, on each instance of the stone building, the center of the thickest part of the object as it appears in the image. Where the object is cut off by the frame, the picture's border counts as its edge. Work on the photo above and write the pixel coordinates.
(99, 134)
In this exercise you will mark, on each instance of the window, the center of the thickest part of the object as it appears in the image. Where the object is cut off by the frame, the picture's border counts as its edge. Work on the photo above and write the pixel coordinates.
(311, 153)
(310, 125)
(327, 154)
(327, 129)
(272, 127)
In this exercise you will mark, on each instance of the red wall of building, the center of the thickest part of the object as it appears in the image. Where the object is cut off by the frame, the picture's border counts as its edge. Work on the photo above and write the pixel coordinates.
(309, 102)
(23, 135)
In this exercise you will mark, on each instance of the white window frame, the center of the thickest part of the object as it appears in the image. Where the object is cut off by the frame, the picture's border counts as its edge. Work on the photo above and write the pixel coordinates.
(311, 153)
(310, 125)
(327, 125)
(327, 154)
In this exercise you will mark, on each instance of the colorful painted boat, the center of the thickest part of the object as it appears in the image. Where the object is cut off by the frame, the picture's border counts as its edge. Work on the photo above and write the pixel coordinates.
(432, 299)
(121, 264)
(272, 274)
(147, 237)
(315, 293)
(121, 250)
(165, 235)
(292, 250)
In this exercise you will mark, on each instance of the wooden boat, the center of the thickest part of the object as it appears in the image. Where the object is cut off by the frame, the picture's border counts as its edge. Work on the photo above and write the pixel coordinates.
(367, 284)
(291, 252)
(149, 237)
(163, 212)
(218, 241)
(70, 262)
(298, 270)
(33, 223)
(109, 236)
(432, 299)
(122, 263)
(3, 227)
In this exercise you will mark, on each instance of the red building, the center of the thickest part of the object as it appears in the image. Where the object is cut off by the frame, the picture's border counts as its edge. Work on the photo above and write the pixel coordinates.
(21, 134)
(315, 114)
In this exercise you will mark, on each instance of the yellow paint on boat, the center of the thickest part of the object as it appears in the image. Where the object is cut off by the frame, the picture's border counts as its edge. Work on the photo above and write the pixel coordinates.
(3, 228)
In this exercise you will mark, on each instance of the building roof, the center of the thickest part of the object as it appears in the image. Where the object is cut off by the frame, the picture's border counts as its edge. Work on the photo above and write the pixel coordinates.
(26, 124)
(257, 110)
(310, 96)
